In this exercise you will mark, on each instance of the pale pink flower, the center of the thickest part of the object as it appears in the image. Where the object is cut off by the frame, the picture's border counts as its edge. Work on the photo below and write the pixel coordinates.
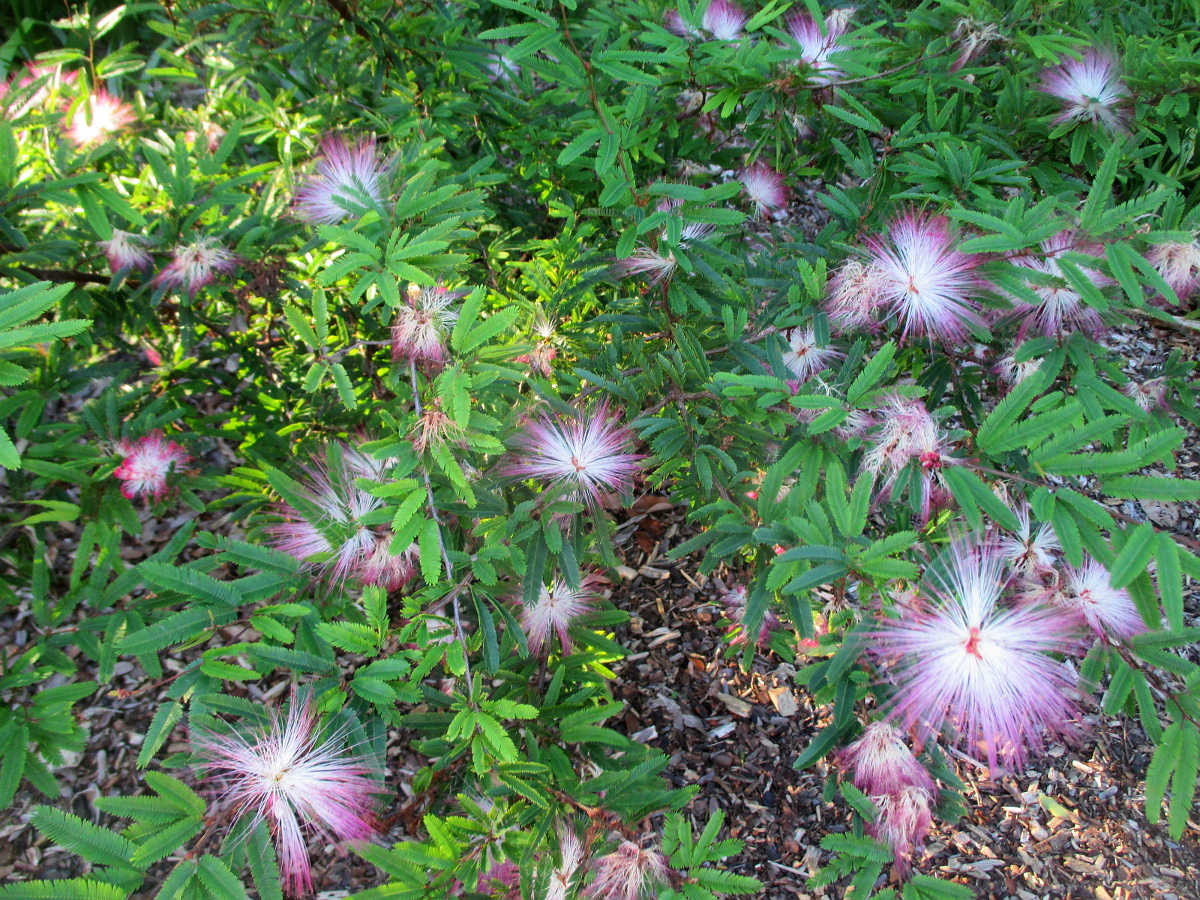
(1012, 372)
(329, 533)
(96, 118)
(125, 251)
(502, 880)
(556, 608)
(903, 820)
(1092, 90)
(882, 763)
(628, 873)
(854, 295)
(423, 323)
(660, 267)
(724, 19)
(196, 265)
(925, 279)
(570, 859)
(674, 23)
(297, 781)
(734, 601)
(966, 660)
(588, 454)
(213, 135)
(148, 465)
(764, 186)
(1149, 394)
(1107, 610)
(972, 38)
(818, 42)
(805, 357)
(907, 433)
(1178, 264)
(23, 95)
(1028, 550)
(1062, 306)
(347, 179)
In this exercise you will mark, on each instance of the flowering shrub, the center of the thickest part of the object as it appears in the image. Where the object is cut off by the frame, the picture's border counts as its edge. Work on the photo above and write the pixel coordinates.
(390, 311)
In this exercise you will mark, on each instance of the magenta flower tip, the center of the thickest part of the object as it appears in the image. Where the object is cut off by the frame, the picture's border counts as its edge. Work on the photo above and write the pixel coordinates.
(964, 659)
(346, 179)
(764, 186)
(882, 763)
(125, 251)
(818, 43)
(97, 118)
(556, 608)
(1108, 611)
(297, 781)
(1091, 90)
(588, 453)
(724, 20)
(925, 279)
(196, 265)
(904, 818)
(1062, 308)
(148, 464)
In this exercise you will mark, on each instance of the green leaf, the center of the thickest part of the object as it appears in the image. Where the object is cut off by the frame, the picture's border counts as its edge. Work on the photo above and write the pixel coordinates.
(191, 583)
(1131, 561)
(871, 373)
(1151, 487)
(215, 875)
(166, 717)
(63, 889)
(95, 844)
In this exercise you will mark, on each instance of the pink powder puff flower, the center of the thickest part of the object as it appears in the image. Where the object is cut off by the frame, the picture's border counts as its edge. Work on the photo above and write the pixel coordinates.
(422, 325)
(196, 265)
(125, 251)
(1107, 610)
(986, 669)
(347, 179)
(501, 880)
(1178, 264)
(556, 608)
(925, 279)
(1150, 394)
(213, 135)
(882, 763)
(1092, 90)
(297, 781)
(674, 23)
(148, 464)
(764, 186)
(97, 118)
(854, 295)
(724, 20)
(331, 524)
(1012, 372)
(659, 267)
(1029, 551)
(588, 454)
(570, 855)
(804, 357)
(908, 432)
(817, 43)
(1062, 305)
(628, 873)
(904, 819)
(734, 601)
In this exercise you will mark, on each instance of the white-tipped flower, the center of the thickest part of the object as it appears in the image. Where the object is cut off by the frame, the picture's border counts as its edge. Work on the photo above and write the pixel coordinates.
(628, 873)
(1028, 550)
(347, 179)
(881, 762)
(1091, 90)
(764, 186)
(125, 251)
(1107, 610)
(423, 324)
(805, 357)
(556, 608)
(1178, 264)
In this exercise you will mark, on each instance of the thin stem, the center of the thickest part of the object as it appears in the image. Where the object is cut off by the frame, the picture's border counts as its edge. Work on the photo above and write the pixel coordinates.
(460, 633)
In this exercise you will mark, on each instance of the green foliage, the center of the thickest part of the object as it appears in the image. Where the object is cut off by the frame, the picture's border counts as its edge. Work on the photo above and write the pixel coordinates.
(562, 179)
